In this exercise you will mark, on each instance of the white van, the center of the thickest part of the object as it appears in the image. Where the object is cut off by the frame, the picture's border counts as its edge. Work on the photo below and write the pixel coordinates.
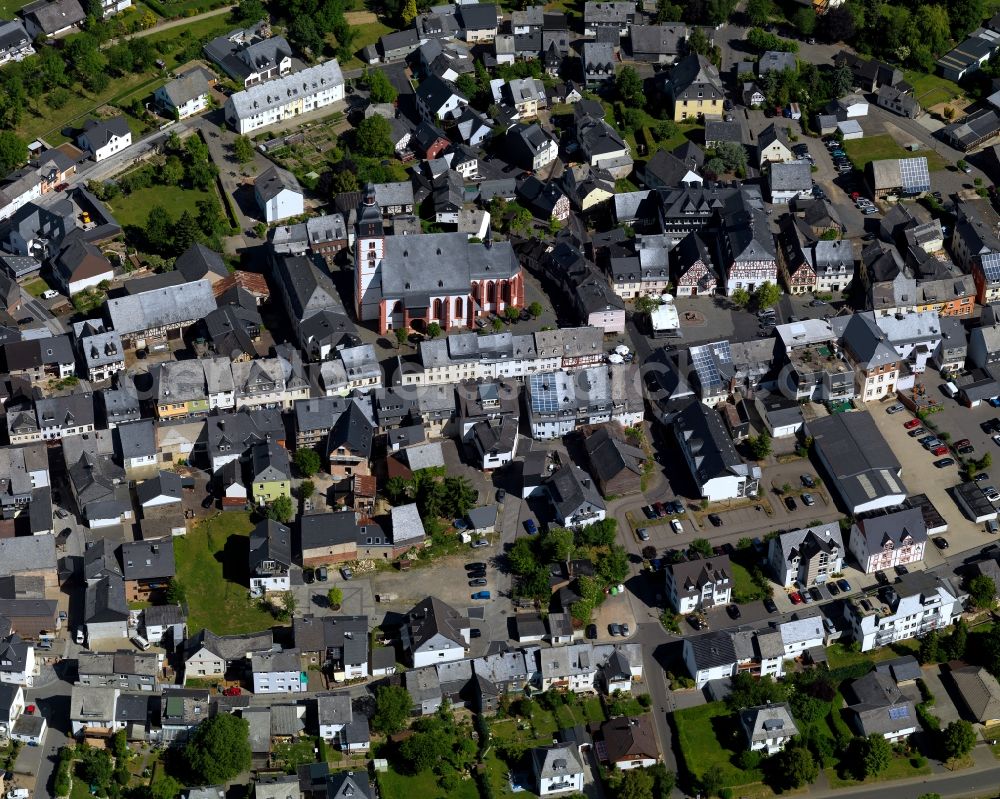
(139, 641)
(950, 389)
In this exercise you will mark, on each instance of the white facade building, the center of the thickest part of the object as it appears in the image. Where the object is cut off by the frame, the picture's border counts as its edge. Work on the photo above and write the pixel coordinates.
(285, 98)
(917, 604)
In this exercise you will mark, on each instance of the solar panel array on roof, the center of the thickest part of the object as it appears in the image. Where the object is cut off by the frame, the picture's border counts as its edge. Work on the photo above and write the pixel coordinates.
(706, 359)
(544, 393)
(902, 712)
(991, 266)
(914, 175)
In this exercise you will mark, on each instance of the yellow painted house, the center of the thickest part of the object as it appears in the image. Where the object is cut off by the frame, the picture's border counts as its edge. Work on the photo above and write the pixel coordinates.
(696, 89)
(272, 473)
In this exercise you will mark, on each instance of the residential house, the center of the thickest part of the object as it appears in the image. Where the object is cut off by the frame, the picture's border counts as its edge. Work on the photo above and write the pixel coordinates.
(571, 668)
(899, 102)
(125, 669)
(80, 265)
(747, 253)
(867, 350)
(806, 557)
(434, 632)
(695, 89)
(699, 584)
(898, 538)
(15, 44)
(574, 497)
(270, 470)
(147, 567)
(630, 742)
(773, 146)
(185, 95)
(531, 147)
(909, 608)
(52, 18)
(718, 469)
(598, 63)
(349, 444)
(277, 672)
(270, 561)
(251, 56)
(207, 655)
(878, 707)
(601, 144)
(92, 710)
(106, 611)
(609, 16)
(278, 194)
(104, 138)
(100, 348)
(790, 181)
(768, 727)
(557, 769)
(660, 44)
(438, 100)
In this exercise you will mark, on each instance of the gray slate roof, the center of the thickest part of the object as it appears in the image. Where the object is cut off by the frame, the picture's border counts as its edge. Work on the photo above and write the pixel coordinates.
(161, 307)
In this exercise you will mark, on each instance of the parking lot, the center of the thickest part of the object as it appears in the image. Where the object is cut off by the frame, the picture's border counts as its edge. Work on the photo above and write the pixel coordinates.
(921, 476)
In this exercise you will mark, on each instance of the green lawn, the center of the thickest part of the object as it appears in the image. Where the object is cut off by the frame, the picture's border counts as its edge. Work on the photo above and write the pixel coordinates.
(839, 655)
(36, 287)
(876, 148)
(709, 736)
(211, 567)
(932, 89)
(900, 768)
(292, 755)
(10, 7)
(742, 584)
(424, 785)
(135, 208)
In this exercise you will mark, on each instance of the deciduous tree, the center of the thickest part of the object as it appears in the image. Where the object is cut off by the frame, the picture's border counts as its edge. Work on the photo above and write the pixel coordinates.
(392, 709)
(219, 749)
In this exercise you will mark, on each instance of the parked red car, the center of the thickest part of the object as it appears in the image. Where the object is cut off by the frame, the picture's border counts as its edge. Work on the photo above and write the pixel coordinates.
(232, 690)
(796, 598)
(911, 424)
(942, 450)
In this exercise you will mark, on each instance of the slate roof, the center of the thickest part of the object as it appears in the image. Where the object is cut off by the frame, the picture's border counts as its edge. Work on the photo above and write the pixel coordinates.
(101, 131)
(189, 86)
(105, 601)
(768, 721)
(691, 576)
(276, 93)
(431, 617)
(55, 15)
(148, 560)
(161, 308)
(198, 261)
(270, 540)
(557, 760)
(275, 180)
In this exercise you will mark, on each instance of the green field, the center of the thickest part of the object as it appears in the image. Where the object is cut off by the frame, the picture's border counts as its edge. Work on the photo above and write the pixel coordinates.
(183, 8)
(424, 785)
(709, 736)
(135, 208)
(876, 148)
(932, 89)
(368, 33)
(211, 567)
